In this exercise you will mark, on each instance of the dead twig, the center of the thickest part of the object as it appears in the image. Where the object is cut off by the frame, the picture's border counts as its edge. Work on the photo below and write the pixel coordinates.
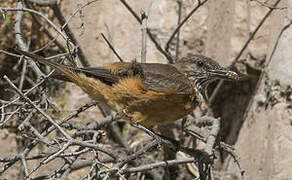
(41, 15)
(157, 164)
(277, 42)
(36, 107)
(210, 141)
(47, 131)
(183, 22)
(69, 32)
(179, 3)
(44, 29)
(235, 157)
(144, 18)
(254, 33)
(21, 44)
(151, 36)
(112, 48)
(268, 5)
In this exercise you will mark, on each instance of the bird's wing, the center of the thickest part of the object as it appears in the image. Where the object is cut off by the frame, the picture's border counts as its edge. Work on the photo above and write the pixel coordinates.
(111, 73)
(155, 76)
(165, 78)
(101, 73)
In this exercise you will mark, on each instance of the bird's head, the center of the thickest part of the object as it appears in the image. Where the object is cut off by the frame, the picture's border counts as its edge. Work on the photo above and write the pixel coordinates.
(203, 70)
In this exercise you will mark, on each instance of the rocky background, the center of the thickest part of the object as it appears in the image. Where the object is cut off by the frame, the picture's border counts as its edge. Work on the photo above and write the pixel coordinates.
(256, 112)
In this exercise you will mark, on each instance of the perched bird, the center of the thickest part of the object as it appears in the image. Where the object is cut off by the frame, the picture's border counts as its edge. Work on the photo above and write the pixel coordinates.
(146, 93)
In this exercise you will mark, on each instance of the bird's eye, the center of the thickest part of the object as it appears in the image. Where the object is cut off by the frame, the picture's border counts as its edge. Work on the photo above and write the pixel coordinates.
(200, 63)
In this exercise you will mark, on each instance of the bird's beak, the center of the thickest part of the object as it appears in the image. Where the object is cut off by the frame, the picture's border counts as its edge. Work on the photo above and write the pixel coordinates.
(224, 74)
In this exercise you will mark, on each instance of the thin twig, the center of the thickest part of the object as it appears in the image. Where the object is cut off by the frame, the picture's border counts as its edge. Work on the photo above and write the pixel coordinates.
(47, 131)
(212, 135)
(93, 146)
(37, 108)
(41, 15)
(158, 164)
(17, 28)
(23, 71)
(3, 14)
(2, 116)
(112, 48)
(138, 153)
(30, 90)
(3, 121)
(24, 164)
(254, 33)
(215, 91)
(44, 29)
(183, 22)
(179, 2)
(229, 150)
(19, 39)
(215, 123)
(268, 5)
(21, 9)
(206, 170)
(151, 36)
(69, 33)
(9, 53)
(277, 42)
(144, 38)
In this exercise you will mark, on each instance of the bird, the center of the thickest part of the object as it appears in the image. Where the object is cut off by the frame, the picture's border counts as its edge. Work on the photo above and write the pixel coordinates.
(145, 93)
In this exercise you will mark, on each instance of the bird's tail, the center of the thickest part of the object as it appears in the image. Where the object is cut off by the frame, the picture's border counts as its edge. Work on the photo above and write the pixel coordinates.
(92, 86)
(67, 70)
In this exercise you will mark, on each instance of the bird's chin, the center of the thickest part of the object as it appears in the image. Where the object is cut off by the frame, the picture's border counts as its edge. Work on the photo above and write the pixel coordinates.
(203, 93)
